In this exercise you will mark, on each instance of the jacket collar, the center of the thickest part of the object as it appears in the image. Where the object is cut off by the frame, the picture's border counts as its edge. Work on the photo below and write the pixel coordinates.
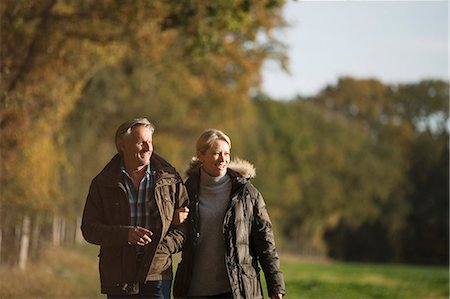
(160, 167)
(193, 182)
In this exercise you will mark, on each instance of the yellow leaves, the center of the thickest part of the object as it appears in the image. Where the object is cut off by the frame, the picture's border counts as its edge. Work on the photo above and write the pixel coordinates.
(171, 148)
(63, 8)
(74, 40)
(36, 168)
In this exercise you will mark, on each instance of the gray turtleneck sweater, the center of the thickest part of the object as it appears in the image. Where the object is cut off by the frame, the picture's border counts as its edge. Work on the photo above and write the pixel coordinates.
(209, 275)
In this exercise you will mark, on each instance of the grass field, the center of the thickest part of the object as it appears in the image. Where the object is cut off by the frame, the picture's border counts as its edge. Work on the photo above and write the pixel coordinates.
(73, 273)
(351, 280)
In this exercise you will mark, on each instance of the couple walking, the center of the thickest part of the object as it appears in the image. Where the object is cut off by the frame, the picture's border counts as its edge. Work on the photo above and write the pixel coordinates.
(140, 212)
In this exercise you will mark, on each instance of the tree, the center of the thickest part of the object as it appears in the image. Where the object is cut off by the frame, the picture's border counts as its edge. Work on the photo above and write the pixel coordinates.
(324, 171)
(51, 49)
(413, 119)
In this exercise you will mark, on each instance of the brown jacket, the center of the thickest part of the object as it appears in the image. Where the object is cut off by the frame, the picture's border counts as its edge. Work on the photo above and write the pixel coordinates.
(248, 238)
(106, 220)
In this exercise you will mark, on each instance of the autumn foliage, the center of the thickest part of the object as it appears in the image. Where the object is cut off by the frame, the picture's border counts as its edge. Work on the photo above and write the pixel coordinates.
(362, 162)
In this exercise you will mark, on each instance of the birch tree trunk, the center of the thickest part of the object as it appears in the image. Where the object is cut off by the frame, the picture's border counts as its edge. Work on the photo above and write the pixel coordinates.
(24, 242)
(78, 234)
(71, 231)
(62, 231)
(35, 237)
(56, 231)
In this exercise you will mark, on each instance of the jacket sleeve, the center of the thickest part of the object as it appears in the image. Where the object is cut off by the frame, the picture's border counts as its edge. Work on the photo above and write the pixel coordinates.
(264, 245)
(174, 239)
(94, 226)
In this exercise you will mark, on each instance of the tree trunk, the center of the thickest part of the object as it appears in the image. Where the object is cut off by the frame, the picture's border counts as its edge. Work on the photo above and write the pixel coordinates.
(35, 237)
(1, 232)
(78, 235)
(56, 231)
(24, 242)
(1, 235)
(71, 231)
(62, 230)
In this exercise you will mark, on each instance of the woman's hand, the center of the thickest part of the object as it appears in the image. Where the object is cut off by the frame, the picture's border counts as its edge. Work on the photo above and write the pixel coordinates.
(180, 215)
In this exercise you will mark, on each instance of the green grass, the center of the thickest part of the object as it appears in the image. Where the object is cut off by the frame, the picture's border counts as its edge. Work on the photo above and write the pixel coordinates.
(352, 280)
(73, 273)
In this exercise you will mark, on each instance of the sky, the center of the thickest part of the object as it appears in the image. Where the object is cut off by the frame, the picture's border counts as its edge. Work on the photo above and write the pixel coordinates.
(392, 41)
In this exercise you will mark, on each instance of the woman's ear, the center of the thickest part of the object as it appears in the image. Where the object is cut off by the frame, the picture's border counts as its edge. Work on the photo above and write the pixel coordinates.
(199, 156)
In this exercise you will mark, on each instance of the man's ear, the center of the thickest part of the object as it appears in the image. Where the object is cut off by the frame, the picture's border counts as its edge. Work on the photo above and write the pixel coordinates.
(122, 145)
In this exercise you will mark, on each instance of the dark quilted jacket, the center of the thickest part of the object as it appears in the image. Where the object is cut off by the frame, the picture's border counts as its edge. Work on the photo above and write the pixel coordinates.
(247, 234)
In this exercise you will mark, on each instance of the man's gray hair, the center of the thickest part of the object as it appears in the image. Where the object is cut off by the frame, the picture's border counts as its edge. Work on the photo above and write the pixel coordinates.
(124, 129)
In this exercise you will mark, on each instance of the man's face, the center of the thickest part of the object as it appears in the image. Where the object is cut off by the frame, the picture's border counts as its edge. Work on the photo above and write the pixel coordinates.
(137, 148)
(216, 159)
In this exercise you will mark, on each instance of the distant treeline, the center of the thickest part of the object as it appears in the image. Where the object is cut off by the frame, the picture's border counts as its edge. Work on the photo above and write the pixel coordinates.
(357, 172)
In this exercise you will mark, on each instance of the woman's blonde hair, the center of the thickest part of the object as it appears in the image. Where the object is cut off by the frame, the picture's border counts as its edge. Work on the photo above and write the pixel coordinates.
(208, 137)
(204, 143)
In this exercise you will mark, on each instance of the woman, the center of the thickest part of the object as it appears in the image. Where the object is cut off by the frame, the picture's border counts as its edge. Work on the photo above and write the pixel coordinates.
(229, 229)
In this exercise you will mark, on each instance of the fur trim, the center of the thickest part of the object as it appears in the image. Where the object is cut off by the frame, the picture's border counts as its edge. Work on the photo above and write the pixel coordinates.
(194, 164)
(243, 167)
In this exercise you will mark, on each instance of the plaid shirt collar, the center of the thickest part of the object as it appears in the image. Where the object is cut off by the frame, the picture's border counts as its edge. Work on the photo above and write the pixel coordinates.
(138, 199)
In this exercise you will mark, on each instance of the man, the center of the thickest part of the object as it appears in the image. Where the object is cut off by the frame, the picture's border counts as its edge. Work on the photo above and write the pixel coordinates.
(129, 212)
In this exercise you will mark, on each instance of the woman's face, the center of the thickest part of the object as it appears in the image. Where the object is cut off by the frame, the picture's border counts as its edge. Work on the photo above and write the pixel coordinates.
(216, 159)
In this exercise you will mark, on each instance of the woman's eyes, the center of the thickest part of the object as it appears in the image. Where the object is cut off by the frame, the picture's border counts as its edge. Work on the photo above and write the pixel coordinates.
(218, 154)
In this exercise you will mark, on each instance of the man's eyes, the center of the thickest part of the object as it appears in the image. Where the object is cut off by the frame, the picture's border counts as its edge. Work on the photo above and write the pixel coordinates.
(143, 142)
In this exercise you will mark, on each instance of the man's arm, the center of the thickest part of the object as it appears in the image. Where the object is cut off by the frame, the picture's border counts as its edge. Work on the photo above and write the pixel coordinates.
(174, 239)
(93, 225)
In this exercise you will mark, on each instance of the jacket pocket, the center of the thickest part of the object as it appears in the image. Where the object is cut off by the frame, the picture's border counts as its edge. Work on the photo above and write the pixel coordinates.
(251, 282)
(161, 262)
(168, 208)
(110, 265)
(166, 195)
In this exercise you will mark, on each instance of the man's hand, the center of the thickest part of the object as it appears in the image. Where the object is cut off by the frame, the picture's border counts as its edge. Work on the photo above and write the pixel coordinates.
(276, 296)
(180, 215)
(139, 235)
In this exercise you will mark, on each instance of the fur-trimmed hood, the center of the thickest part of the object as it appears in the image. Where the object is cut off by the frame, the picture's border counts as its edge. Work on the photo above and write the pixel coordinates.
(243, 167)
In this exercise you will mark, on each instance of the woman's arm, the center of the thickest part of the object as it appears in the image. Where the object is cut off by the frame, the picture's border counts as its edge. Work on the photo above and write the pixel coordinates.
(264, 245)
